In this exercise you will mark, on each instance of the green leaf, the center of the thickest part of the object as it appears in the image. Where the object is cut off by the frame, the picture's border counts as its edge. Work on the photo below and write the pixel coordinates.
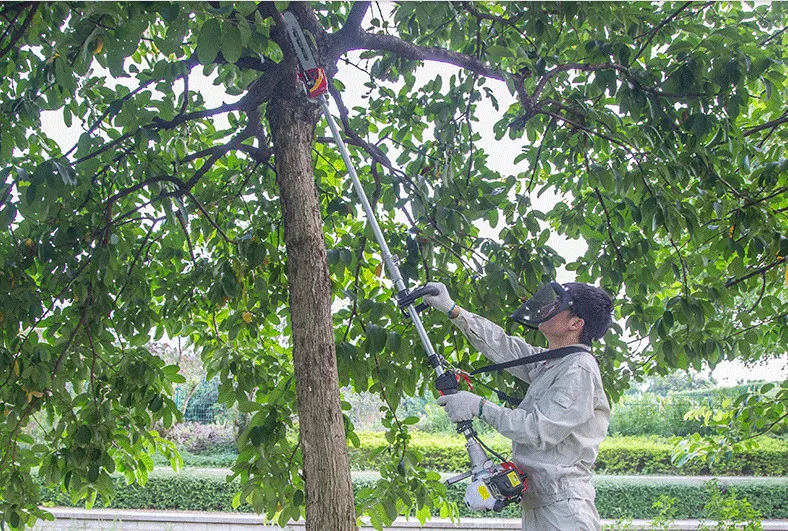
(209, 41)
(231, 42)
(498, 52)
(83, 435)
(249, 406)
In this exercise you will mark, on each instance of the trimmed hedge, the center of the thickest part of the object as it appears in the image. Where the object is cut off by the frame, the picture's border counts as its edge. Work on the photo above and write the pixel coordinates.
(616, 497)
(441, 452)
(222, 458)
(645, 455)
(617, 455)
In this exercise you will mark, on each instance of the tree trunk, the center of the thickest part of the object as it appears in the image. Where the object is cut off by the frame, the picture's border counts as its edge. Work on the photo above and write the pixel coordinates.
(329, 494)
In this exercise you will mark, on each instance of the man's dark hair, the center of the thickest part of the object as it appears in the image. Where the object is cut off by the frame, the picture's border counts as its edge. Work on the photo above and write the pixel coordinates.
(594, 306)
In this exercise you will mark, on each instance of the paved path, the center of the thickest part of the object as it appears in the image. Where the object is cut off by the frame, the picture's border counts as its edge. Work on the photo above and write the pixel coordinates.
(71, 519)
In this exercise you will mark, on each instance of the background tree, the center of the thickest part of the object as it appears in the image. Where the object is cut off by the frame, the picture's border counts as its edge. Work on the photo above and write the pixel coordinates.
(662, 125)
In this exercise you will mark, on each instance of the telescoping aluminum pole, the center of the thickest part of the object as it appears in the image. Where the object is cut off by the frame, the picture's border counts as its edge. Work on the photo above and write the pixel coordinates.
(485, 473)
(316, 85)
(388, 259)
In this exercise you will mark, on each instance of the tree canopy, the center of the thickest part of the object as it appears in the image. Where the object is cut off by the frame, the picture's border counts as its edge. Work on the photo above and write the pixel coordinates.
(662, 125)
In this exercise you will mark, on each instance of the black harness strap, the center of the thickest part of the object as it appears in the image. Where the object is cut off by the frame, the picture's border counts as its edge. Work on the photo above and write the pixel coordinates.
(542, 356)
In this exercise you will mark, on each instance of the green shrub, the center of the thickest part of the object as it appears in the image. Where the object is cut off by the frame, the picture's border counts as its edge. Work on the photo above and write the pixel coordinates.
(640, 498)
(652, 455)
(221, 458)
(438, 451)
(165, 490)
(616, 497)
(199, 438)
(650, 414)
(617, 455)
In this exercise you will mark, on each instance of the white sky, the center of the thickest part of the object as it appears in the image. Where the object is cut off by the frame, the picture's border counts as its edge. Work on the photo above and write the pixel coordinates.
(501, 159)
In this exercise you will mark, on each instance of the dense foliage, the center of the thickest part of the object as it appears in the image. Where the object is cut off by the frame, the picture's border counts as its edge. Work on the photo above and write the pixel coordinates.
(616, 498)
(662, 124)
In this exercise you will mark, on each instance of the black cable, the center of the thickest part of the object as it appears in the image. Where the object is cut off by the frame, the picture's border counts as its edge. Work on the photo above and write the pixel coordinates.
(493, 452)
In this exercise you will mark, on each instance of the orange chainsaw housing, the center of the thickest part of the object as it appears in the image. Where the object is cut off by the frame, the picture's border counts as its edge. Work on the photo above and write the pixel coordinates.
(315, 81)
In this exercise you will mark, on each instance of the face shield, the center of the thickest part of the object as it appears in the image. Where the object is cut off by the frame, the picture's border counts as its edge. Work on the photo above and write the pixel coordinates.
(546, 303)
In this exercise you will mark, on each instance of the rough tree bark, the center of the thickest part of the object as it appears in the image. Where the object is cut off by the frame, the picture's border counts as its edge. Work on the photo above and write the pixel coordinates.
(329, 494)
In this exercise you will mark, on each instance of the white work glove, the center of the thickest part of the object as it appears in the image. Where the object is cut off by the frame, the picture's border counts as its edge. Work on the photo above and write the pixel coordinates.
(461, 406)
(442, 301)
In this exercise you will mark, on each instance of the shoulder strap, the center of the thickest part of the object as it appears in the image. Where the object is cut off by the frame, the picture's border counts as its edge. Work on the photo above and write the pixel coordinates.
(542, 356)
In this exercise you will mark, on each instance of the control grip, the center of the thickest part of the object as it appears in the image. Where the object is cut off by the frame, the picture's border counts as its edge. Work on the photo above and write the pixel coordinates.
(406, 299)
(447, 383)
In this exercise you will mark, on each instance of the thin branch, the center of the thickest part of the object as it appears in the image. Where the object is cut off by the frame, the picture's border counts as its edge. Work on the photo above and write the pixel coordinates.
(755, 272)
(22, 30)
(653, 32)
(104, 148)
(586, 129)
(767, 41)
(109, 109)
(182, 221)
(137, 256)
(741, 331)
(166, 125)
(209, 218)
(539, 155)
(375, 152)
(766, 430)
(768, 125)
(185, 102)
(470, 8)
(147, 182)
(609, 225)
(574, 66)
(761, 294)
(12, 23)
(772, 195)
(353, 310)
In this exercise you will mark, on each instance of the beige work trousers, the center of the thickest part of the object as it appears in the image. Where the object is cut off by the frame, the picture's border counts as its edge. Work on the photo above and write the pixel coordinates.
(566, 515)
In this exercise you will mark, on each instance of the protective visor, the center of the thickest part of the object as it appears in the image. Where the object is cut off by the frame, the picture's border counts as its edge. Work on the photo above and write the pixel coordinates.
(549, 301)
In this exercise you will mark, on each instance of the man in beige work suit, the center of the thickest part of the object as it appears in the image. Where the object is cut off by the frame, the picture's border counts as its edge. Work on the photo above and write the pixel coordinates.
(557, 428)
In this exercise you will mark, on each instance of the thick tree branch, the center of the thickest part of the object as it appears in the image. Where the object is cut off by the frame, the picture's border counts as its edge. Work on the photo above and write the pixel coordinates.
(407, 50)
(166, 125)
(352, 25)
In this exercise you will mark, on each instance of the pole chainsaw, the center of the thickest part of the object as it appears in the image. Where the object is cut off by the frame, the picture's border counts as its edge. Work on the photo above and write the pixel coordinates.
(494, 485)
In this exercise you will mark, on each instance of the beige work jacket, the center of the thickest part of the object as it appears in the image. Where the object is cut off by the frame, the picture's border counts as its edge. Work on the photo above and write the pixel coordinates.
(557, 428)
